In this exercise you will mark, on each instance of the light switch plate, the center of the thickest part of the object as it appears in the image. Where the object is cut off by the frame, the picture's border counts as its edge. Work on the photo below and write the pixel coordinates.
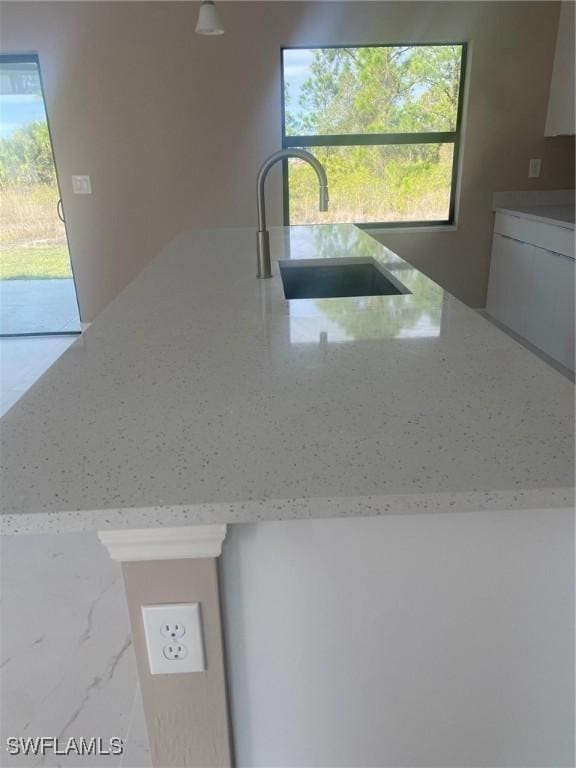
(174, 638)
(81, 185)
(534, 168)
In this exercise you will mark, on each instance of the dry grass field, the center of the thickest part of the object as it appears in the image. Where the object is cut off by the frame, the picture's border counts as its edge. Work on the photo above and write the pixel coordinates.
(32, 237)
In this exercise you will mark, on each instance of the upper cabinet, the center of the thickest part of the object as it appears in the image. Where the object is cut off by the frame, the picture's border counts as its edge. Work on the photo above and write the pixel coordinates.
(560, 118)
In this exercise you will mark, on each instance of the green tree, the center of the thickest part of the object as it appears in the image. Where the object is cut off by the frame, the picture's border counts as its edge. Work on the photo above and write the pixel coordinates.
(26, 157)
(378, 90)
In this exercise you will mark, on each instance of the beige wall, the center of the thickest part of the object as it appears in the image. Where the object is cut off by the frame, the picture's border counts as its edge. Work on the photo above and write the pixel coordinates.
(172, 126)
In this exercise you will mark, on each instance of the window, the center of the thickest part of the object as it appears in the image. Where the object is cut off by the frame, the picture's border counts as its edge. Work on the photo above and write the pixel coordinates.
(385, 122)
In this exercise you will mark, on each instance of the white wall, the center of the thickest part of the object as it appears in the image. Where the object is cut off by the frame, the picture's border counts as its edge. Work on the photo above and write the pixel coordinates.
(437, 641)
(173, 126)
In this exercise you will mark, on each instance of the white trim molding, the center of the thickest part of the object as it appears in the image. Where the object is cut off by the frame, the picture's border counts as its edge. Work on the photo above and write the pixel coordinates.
(186, 542)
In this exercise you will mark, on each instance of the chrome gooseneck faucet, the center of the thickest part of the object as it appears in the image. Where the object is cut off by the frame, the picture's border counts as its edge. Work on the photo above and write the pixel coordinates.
(264, 269)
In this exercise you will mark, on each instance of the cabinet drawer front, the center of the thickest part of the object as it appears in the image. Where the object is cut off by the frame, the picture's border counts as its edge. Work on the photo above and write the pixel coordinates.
(548, 236)
(510, 275)
(550, 304)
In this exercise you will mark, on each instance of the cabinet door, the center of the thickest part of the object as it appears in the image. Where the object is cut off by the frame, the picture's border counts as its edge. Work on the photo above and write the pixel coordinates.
(562, 345)
(540, 316)
(549, 311)
(509, 281)
(531, 291)
(565, 336)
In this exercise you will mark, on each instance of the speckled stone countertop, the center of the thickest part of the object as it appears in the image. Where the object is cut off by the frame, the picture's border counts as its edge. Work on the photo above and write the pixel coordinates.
(201, 395)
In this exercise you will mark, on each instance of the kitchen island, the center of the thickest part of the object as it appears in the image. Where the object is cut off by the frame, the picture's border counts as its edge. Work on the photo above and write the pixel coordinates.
(201, 398)
(200, 395)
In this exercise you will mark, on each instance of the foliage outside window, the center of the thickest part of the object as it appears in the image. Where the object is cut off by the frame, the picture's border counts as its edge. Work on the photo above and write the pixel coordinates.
(32, 238)
(385, 121)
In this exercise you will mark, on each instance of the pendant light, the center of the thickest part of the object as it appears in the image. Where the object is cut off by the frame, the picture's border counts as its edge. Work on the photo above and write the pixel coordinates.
(208, 20)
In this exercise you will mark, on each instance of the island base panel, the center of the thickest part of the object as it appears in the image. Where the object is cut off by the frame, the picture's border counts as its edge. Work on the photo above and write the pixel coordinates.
(186, 714)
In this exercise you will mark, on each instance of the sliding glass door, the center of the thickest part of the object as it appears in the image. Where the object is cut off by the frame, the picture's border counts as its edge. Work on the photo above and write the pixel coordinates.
(37, 292)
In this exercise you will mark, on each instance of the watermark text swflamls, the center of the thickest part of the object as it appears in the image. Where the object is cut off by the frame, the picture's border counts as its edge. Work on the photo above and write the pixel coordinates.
(81, 747)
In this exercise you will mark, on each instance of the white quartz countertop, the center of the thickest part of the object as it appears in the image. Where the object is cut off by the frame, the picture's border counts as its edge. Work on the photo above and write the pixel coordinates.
(559, 215)
(200, 395)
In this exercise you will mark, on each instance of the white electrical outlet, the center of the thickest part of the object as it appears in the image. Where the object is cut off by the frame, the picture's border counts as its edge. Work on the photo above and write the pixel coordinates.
(81, 185)
(534, 168)
(172, 631)
(174, 638)
(174, 651)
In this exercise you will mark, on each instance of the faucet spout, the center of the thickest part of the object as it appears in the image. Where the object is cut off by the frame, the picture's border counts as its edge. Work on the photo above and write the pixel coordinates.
(263, 238)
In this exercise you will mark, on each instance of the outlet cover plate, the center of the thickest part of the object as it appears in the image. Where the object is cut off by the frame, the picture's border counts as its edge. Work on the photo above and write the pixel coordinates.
(534, 168)
(81, 185)
(156, 619)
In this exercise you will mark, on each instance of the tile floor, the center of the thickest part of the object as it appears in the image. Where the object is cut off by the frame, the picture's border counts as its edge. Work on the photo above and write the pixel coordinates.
(67, 666)
(38, 306)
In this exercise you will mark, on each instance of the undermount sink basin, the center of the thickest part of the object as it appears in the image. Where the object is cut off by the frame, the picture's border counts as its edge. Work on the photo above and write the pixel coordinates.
(359, 277)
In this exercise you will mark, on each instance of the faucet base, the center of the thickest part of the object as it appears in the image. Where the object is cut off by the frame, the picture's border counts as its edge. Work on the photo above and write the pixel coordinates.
(263, 250)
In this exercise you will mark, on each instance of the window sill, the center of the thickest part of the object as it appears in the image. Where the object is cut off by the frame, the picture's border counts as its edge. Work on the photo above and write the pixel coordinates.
(375, 231)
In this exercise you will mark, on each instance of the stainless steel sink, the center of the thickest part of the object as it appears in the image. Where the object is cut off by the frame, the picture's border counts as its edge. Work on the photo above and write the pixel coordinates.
(337, 278)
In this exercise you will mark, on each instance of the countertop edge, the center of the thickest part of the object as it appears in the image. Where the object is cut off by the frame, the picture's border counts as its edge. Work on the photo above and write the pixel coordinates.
(510, 211)
(275, 510)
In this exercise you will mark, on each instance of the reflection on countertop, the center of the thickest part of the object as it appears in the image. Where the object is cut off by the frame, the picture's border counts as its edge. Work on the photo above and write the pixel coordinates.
(417, 314)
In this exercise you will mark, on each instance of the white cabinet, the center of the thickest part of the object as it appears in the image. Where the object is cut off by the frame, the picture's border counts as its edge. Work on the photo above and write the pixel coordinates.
(549, 318)
(508, 283)
(560, 118)
(531, 291)
(564, 346)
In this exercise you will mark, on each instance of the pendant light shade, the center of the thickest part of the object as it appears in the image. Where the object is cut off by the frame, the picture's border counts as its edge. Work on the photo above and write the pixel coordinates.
(208, 20)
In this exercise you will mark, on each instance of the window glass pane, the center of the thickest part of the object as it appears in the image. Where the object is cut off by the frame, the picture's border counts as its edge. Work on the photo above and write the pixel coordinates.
(399, 182)
(402, 89)
(21, 80)
(37, 293)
